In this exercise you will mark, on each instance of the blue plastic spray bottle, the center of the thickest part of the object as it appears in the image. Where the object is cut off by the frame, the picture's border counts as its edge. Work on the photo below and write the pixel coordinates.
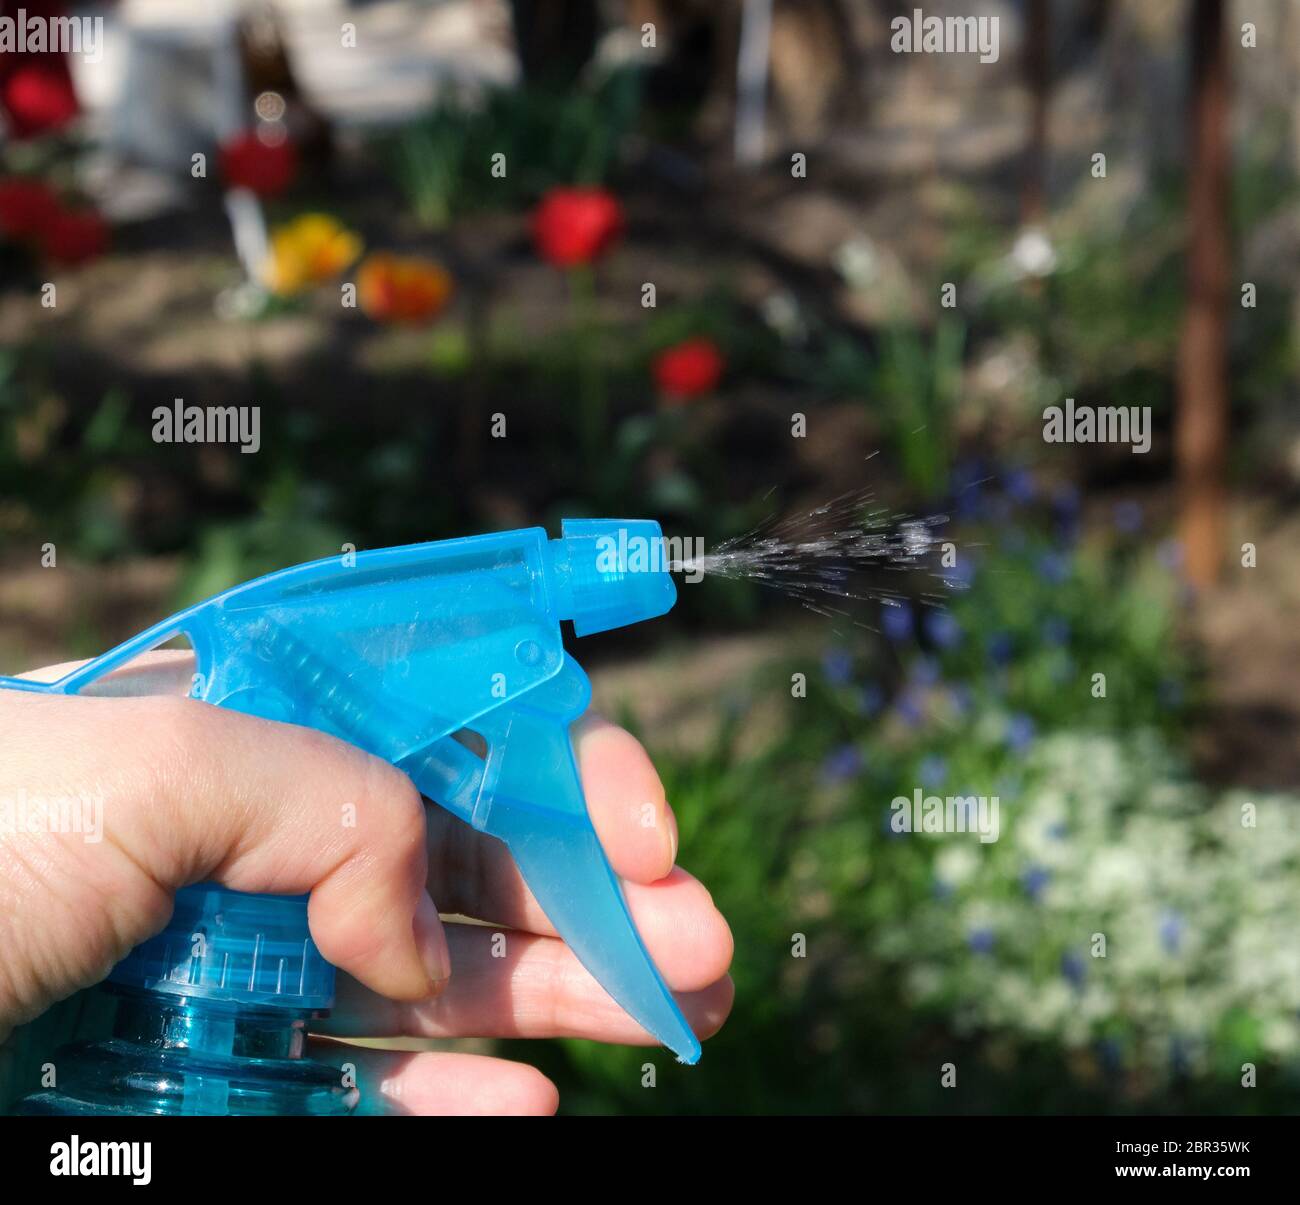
(395, 650)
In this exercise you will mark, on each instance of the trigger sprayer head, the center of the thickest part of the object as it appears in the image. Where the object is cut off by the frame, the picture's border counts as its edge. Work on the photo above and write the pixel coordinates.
(611, 572)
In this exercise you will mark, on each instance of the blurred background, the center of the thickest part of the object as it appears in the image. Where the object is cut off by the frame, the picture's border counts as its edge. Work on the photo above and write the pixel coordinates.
(646, 235)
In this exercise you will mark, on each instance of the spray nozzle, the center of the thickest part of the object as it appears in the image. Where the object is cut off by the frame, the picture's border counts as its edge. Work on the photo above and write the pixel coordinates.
(611, 572)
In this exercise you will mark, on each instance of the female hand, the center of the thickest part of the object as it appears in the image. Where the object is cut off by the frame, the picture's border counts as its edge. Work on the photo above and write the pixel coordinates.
(188, 792)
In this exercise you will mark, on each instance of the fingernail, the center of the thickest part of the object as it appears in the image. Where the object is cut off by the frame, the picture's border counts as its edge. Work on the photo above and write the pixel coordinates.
(672, 837)
(431, 942)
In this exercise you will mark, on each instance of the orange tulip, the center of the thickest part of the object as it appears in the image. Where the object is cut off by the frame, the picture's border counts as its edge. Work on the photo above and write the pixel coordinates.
(408, 289)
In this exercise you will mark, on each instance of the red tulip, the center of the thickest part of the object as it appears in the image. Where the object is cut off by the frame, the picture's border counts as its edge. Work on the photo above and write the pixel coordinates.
(574, 226)
(37, 96)
(266, 169)
(25, 206)
(688, 369)
(74, 236)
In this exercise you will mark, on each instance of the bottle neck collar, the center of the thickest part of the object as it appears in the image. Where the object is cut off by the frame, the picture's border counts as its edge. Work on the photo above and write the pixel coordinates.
(218, 1028)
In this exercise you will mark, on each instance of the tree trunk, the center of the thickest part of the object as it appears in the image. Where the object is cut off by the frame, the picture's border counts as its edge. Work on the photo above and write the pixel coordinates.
(1201, 428)
(1037, 67)
(555, 39)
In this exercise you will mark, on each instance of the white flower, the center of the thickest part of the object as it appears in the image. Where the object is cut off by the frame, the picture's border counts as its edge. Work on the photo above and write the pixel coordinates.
(1033, 253)
(1113, 874)
(858, 261)
(782, 313)
(956, 863)
(1280, 1036)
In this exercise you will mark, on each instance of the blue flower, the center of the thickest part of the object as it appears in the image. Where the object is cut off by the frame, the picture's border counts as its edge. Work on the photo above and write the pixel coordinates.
(1066, 512)
(1019, 731)
(1035, 881)
(1056, 631)
(960, 574)
(1128, 517)
(999, 508)
(837, 665)
(1001, 647)
(968, 503)
(932, 770)
(960, 698)
(910, 708)
(1020, 485)
(969, 471)
(924, 671)
(842, 764)
(871, 699)
(981, 941)
(967, 488)
(1110, 1054)
(1074, 968)
(1053, 567)
(896, 621)
(1172, 927)
(1180, 1055)
(942, 629)
(1065, 502)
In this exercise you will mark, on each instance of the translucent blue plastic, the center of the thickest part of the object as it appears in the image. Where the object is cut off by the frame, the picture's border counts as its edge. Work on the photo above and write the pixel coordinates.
(397, 650)
(168, 1055)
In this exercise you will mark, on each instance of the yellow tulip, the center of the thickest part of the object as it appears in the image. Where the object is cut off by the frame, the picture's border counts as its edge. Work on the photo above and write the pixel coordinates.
(309, 250)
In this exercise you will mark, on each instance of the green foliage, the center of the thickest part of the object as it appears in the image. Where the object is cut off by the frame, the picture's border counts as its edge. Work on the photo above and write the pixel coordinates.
(1105, 313)
(443, 163)
(908, 377)
(62, 481)
(627, 453)
(916, 389)
(1101, 296)
(285, 531)
(1043, 623)
(928, 948)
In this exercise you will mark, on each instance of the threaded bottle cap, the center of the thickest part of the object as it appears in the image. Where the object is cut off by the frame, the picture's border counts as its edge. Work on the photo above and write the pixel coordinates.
(228, 945)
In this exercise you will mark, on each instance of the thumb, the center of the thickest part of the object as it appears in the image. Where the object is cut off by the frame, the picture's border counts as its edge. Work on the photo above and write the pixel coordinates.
(192, 792)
